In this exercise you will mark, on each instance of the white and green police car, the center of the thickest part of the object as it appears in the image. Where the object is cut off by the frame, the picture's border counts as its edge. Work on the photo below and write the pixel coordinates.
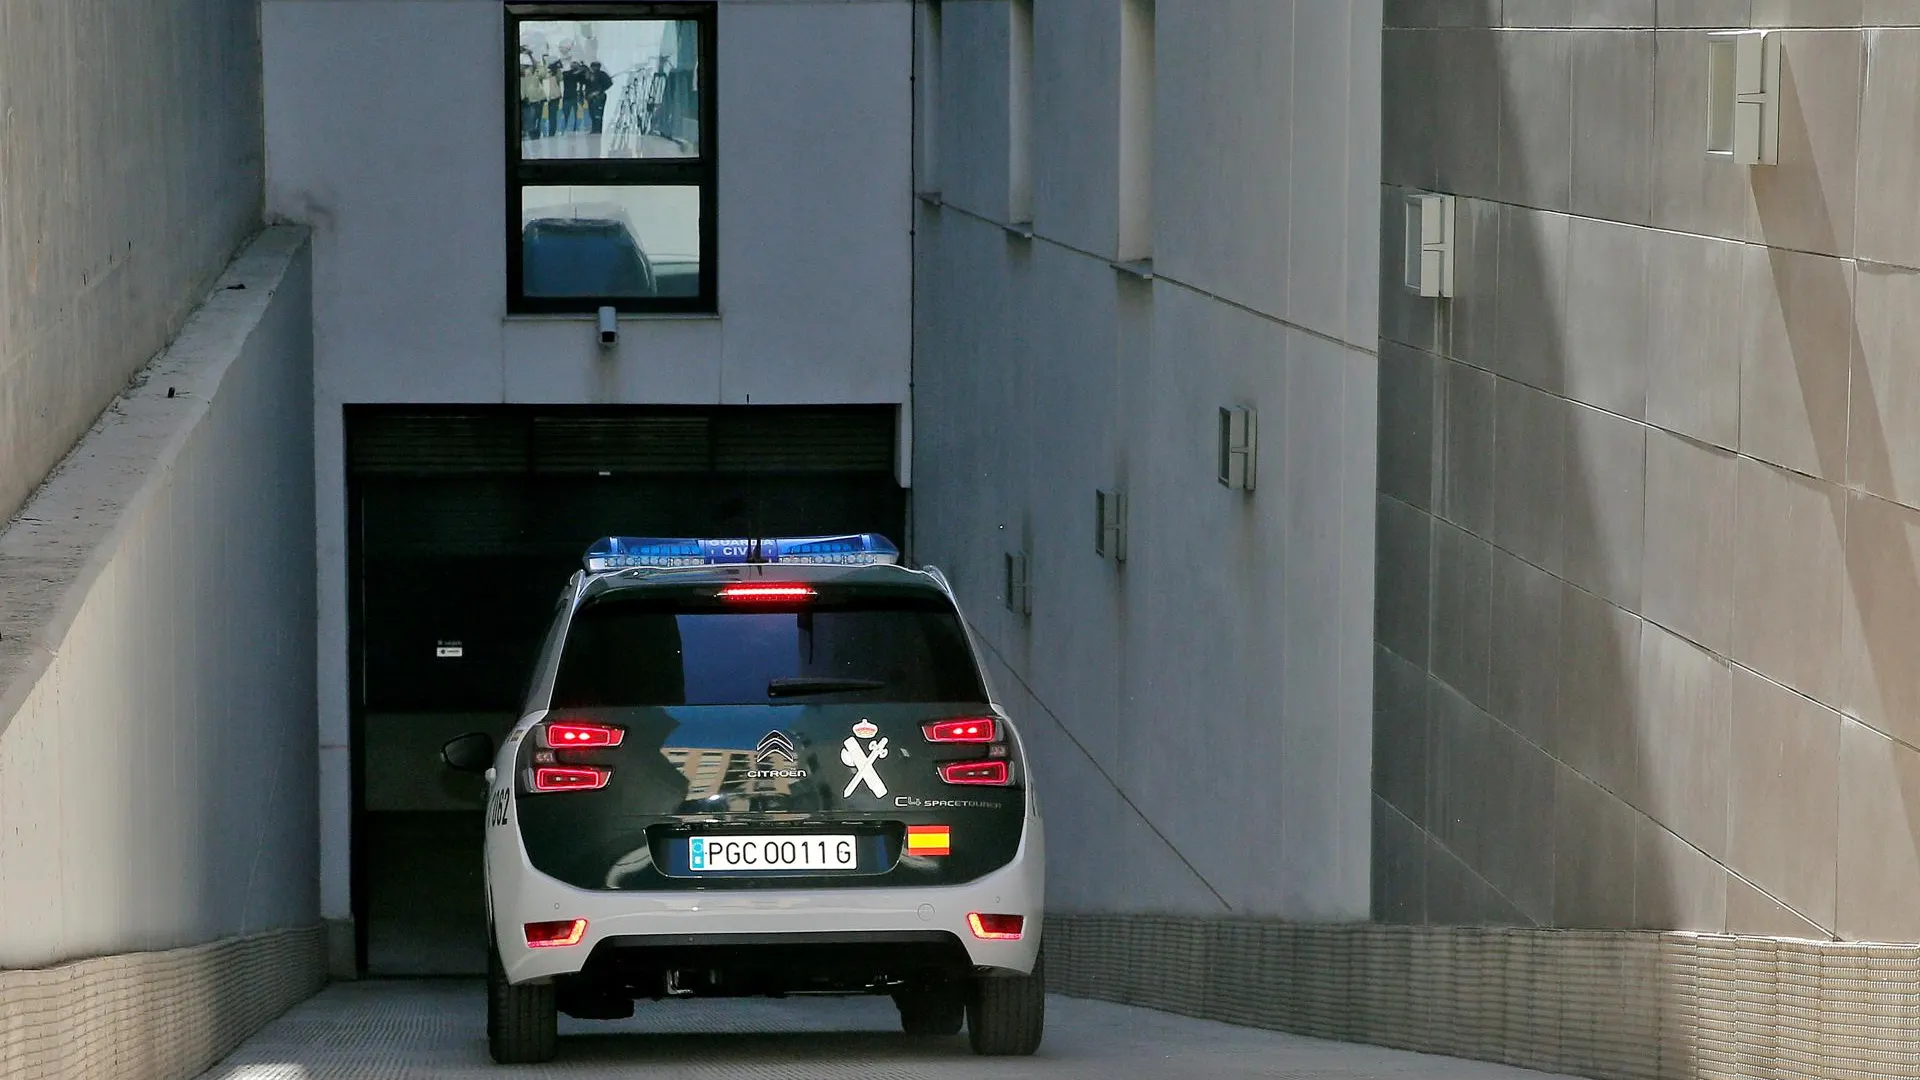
(760, 767)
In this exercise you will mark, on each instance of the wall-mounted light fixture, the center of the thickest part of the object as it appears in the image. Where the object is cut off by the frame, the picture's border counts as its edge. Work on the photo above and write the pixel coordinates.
(1429, 243)
(1019, 592)
(1743, 96)
(1110, 516)
(1239, 431)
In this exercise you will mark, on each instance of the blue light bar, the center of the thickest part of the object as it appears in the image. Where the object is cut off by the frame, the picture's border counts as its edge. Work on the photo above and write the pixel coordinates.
(859, 549)
(628, 552)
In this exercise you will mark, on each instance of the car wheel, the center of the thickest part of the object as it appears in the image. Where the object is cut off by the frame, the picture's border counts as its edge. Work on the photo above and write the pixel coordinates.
(523, 1022)
(1008, 1014)
(939, 1010)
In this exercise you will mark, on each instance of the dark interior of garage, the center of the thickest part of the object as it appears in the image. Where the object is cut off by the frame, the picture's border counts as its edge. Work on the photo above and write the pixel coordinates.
(464, 525)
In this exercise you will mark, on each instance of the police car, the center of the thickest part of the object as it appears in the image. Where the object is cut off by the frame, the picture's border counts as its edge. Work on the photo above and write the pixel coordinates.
(760, 767)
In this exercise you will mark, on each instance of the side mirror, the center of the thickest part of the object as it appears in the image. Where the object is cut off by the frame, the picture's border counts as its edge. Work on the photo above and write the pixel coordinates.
(470, 753)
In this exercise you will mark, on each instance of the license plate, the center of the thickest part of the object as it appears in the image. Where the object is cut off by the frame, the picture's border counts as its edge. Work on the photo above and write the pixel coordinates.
(834, 852)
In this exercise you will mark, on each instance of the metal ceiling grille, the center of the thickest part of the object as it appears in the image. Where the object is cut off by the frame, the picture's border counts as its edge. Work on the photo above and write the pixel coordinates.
(680, 441)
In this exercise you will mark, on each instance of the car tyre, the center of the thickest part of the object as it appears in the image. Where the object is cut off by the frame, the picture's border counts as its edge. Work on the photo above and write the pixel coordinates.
(1007, 1015)
(523, 1022)
(939, 1010)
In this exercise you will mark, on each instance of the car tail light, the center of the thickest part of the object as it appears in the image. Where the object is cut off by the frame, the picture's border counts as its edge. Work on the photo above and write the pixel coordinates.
(995, 927)
(561, 736)
(766, 594)
(570, 778)
(553, 935)
(972, 729)
(993, 773)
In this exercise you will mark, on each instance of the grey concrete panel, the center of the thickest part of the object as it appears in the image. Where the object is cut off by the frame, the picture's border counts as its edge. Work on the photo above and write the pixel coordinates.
(1608, 316)
(1606, 494)
(1879, 841)
(1676, 885)
(1402, 603)
(1891, 13)
(1531, 338)
(1599, 728)
(1466, 113)
(1466, 474)
(1788, 579)
(1525, 663)
(1807, 12)
(1883, 445)
(1784, 791)
(1889, 152)
(1613, 125)
(1407, 118)
(1593, 864)
(1473, 312)
(1409, 420)
(1881, 628)
(1462, 610)
(1399, 867)
(1536, 139)
(1687, 579)
(1401, 730)
(1797, 341)
(1529, 447)
(1686, 714)
(1753, 912)
(1806, 201)
(1713, 13)
(1693, 339)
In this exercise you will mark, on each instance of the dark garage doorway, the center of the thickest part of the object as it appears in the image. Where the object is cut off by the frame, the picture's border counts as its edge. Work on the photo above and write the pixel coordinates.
(464, 524)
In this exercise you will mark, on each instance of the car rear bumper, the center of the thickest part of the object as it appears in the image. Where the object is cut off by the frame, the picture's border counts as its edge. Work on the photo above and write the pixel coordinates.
(521, 894)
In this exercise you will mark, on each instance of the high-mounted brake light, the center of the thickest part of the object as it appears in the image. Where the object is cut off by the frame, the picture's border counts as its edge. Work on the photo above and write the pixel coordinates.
(570, 778)
(551, 935)
(566, 734)
(766, 594)
(977, 729)
(996, 927)
(987, 773)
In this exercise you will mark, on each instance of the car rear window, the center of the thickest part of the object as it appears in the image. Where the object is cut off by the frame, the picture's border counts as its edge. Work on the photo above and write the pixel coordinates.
(623, 652)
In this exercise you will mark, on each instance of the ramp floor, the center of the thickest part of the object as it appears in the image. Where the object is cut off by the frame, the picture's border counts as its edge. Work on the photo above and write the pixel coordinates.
(435, 1030)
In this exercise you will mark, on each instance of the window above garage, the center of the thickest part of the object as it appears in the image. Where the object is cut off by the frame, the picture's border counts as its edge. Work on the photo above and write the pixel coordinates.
(610, 170)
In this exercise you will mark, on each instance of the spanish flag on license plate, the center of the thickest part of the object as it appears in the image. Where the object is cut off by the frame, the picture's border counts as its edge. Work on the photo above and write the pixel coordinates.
(928, 840)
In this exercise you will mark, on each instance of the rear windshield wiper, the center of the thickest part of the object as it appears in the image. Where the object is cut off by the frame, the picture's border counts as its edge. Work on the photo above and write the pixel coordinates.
(818, 684)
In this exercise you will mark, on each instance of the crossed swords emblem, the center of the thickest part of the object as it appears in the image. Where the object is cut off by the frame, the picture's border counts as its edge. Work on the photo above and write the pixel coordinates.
(861, 762)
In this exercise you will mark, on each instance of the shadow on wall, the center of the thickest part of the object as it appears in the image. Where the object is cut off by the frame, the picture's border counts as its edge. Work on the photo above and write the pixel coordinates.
(1535, 736)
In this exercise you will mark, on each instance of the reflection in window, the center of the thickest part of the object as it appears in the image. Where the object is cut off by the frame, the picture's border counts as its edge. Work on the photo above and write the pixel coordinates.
(610, 166)
(609, 88)
(613, 242)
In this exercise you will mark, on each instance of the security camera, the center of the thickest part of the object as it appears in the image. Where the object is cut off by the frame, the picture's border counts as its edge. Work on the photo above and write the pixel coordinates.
(609, 328)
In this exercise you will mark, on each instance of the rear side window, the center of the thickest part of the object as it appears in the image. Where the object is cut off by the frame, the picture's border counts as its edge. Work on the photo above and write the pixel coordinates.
(624, 652)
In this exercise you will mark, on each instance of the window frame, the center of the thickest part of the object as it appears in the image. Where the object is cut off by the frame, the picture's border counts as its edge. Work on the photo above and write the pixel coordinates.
(701, 171)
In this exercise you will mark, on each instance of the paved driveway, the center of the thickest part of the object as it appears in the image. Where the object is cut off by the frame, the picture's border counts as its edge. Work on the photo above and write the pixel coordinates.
(436, 1031)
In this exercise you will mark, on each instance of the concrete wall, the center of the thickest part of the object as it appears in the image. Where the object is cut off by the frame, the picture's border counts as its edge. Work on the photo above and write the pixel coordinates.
(385, 134)
(156, 647)
(1199, 713)
(1650, 558)
(131, 173)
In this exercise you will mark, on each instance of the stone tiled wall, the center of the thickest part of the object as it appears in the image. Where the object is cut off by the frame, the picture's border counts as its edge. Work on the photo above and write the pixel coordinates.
(1615, 1005)
(153, 1015)
(1649, 552)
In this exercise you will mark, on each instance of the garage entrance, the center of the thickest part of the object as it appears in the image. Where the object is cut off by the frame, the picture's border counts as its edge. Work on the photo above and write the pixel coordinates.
(464, 524)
